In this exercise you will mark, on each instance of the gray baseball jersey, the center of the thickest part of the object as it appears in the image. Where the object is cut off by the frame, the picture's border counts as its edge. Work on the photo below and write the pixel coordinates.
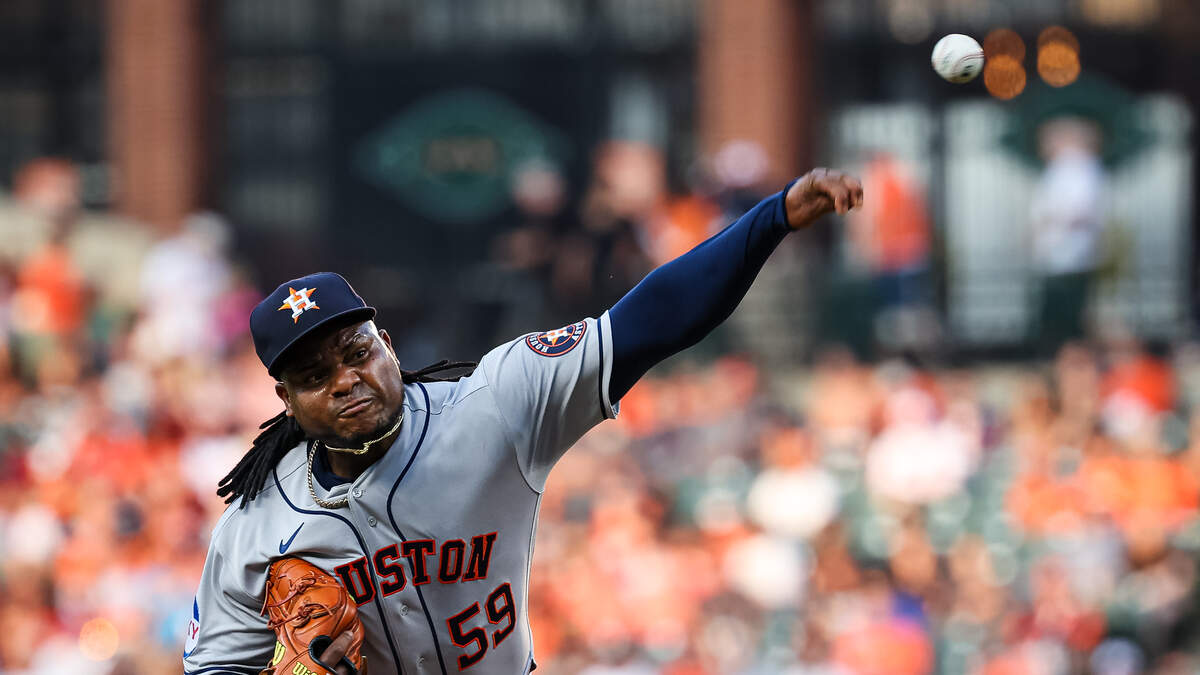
(436, 540)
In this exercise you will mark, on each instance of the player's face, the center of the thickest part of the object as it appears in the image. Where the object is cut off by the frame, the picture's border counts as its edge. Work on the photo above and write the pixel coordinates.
(344, 386)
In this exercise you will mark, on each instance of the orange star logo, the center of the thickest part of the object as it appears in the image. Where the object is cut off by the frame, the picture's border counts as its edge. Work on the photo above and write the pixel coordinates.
(554, 336)
(299, 302)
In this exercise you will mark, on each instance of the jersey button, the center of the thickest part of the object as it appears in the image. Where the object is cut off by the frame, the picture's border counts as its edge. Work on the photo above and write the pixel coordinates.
(371, 521)
(403, 610)
(357, 492)
(420, 660)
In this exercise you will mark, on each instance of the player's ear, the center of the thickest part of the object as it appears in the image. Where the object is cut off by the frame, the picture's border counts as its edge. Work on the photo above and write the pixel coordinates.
(282, 392)
(387, 340)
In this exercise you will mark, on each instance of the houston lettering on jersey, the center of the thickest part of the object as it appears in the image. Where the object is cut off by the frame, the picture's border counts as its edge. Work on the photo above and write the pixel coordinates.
(453, 561)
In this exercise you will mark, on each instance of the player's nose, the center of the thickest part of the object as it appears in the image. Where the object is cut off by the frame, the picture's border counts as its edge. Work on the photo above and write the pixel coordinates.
(344, 380)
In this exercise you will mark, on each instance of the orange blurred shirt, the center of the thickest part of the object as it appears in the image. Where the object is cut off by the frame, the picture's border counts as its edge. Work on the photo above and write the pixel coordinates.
(50, 293)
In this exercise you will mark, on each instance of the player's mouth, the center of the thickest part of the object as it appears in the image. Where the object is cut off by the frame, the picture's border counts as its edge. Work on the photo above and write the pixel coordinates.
(356, 407)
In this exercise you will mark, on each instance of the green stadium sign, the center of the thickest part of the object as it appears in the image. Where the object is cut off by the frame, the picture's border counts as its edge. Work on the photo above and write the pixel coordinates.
(451, 157)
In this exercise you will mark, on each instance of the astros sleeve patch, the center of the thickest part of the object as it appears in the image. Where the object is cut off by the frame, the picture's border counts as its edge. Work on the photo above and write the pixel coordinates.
(550, 388)
(557, 342)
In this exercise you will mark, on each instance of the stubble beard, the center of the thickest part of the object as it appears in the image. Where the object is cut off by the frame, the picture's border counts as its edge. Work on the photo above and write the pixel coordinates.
(381, 431)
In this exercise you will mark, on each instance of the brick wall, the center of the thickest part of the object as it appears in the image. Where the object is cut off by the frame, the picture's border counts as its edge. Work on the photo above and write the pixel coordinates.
(755, 78)
(157, 98)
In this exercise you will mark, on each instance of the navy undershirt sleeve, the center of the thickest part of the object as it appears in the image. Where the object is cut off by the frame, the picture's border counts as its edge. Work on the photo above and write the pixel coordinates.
(679, 303)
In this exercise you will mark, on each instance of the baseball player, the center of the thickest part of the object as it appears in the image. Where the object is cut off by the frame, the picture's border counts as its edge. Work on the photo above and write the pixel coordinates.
(421, 495)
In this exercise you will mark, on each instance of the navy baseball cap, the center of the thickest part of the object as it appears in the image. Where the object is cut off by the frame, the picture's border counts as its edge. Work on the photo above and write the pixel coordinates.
(299, 307)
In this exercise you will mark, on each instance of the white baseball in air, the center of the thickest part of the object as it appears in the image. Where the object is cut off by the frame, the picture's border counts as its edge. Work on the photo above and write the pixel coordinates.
(958, 58)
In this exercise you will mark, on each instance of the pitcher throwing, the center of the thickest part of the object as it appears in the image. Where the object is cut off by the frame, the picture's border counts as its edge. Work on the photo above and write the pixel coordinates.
(420, 493)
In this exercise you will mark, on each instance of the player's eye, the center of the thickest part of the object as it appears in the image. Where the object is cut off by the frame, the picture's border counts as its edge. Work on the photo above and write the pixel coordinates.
(313, 379)
(361, 354)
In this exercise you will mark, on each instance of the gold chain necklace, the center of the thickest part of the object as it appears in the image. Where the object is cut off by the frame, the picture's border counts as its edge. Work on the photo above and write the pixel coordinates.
(323, 503)
(367, 446)
(339, 503)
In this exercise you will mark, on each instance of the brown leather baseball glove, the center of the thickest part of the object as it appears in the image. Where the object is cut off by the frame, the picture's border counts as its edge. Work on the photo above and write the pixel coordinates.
(307, 608)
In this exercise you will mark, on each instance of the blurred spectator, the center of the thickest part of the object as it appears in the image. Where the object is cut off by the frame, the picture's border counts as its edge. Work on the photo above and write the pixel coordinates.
(516, 294)
(555, 265)
(723, 189)
(46, 196)
(600, 261)
(682, 224)
(183, 279)
(919, 457)
(104, 249)
(878, 638)
(1138, 389)
(49, 296)
(842, 403)
(1067, 216)
(793, 496)
(890, 238)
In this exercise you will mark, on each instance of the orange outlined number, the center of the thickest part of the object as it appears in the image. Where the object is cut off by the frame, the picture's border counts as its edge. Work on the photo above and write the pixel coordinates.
(475, 635)
(501, 609)
(496, 613)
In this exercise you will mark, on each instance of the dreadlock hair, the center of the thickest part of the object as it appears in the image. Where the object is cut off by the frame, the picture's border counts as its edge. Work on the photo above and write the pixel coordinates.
(281, 433)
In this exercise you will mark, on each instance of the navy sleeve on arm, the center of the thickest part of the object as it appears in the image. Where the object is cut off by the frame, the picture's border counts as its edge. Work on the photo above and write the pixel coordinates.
(679, 303)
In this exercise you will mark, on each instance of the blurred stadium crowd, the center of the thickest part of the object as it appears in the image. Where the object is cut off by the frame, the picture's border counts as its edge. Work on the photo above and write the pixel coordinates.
(874, 518)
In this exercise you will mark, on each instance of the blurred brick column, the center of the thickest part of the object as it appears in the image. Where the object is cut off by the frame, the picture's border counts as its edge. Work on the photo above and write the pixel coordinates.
(755, 78)
(156, 89)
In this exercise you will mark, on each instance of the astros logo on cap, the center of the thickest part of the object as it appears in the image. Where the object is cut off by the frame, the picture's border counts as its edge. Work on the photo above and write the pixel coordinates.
(556, 342)
(299, 301)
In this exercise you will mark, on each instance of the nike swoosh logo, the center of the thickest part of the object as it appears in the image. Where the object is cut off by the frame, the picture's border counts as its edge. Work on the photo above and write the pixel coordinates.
(283, 546)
